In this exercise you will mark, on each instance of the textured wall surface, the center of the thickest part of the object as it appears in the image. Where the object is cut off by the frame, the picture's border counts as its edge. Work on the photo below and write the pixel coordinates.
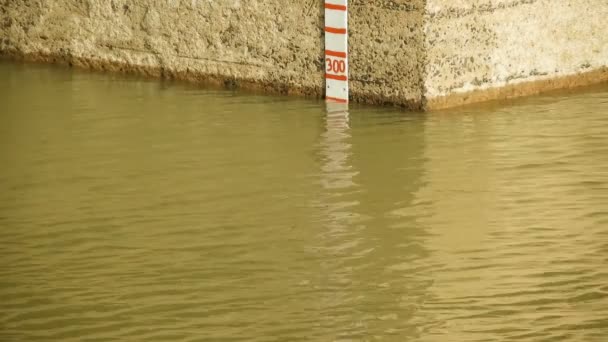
(229, 41)
(273, 45)
(474, 45)
(433, 53)
(386, 52)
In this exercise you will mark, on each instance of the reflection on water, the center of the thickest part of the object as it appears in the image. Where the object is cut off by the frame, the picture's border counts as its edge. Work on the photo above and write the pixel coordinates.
(137, 210)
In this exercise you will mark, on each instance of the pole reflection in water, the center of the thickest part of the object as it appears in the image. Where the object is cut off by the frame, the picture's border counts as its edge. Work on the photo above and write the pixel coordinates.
(336, 148)
(339, 235)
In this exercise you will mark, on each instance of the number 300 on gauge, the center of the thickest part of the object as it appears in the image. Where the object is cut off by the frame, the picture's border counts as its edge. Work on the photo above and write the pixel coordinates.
(336, 66)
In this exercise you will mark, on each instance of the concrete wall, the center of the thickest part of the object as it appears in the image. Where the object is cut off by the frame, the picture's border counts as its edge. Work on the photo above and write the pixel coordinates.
(273, 45)
(265, 42)
(486, 49)
(413, 53)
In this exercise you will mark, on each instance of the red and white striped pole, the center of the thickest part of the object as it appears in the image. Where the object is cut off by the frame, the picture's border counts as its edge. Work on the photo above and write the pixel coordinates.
(336, 50)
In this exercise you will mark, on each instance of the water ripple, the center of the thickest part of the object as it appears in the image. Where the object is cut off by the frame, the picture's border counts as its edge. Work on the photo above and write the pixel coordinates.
(135, 211)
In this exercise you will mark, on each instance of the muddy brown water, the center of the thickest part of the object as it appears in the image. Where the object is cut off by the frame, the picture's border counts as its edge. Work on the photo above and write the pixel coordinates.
(137, 210)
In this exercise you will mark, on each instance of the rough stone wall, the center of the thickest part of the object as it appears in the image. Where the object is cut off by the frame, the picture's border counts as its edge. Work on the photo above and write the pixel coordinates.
(476, 45)
(273, 45)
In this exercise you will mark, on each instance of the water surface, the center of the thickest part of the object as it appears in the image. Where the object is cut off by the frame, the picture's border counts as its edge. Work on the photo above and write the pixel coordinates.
(140, 210)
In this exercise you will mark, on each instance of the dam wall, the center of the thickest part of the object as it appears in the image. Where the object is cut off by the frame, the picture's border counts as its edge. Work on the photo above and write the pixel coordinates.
(413, 53)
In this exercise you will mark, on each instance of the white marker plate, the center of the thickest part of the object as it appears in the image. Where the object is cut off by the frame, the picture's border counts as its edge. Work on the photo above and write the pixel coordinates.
(336, 51)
